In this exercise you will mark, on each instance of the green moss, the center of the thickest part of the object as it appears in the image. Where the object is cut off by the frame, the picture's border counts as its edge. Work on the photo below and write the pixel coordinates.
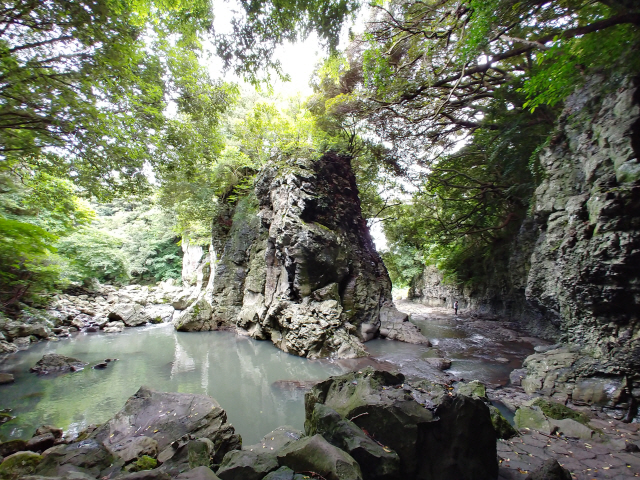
(557, 411)
(501, 425)
(19, 464)
(473, 389)
(145, 462)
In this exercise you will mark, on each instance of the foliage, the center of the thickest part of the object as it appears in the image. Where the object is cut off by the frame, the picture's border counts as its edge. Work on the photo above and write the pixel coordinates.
(460, 98)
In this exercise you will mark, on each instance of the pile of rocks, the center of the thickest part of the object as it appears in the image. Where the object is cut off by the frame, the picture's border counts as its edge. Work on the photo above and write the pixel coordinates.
(365, 425)
(106, 309)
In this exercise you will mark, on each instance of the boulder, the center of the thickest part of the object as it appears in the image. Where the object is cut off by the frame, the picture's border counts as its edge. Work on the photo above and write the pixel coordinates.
(131, 314)
(199, 452)
(156, 474)
(436, 434)
(6, 378)
(315, 454)
(159, 313)
(439, 363)
(52, 362)
(395, 325)
(550, 470)
(87, 456)
(19, 464)
(571, 428)
(114, 327)
(56, 432)
(11, 447)
(166, 418)
(376, 462)
(198, 473)
(247, 465)
(501, 425)
(134, 447)
(532, 418)
(38, 443)
(6, 347)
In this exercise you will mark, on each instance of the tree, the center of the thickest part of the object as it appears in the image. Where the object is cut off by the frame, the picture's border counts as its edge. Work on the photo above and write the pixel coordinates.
(84, 85)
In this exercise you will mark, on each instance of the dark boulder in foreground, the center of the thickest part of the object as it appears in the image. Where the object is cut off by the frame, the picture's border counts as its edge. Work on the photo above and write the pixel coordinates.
(54, 363)
(438, 435)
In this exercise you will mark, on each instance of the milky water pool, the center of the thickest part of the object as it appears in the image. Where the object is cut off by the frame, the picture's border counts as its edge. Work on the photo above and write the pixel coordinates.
(258, 385)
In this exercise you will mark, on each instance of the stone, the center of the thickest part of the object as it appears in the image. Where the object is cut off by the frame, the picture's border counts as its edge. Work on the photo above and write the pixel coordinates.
(168, 417)
(156, 474)
(56, 432)
(299, 268)
(473, 389)
(532, 418)
(376, 462)
(439, 363)
(443, 436)
(12, 446)
(315, 454)
(159, 313)
(283, 473)
(87, 456)
(19, 464)
(571, 428)
(113, 327)
(6, 378)
(247, 465)
(516, 376)
(134, 447)
(131, 314)
(6, 347)
(199, 452)
(54, 363)
(550, 470)
(41, 442)
(198, 473)
(501, 425)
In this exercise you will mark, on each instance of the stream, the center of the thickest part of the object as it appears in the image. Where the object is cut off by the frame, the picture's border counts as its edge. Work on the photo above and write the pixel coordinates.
(258, 385)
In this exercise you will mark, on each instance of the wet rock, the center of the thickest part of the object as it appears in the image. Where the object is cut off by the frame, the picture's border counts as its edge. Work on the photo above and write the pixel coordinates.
(550, 470)
(532, 418)
(22, 343)
(52, 362)
(5, 417)
(131, 314)
(571, 428)
(156, 474)
(101, 365)
(168, 417)
(87, 456)
(41, 442)
(247, 465)
(19, 464)
(199, 452)
(376, 462)
(6, 378)
(516, 376)
(439, 363)
(315, 454)
(501, 425)
(134, 447)
(395, 325)
(198, 473)
(56, 432)
(444, 436)
(11, 447)
(6, 347)
(114, 327)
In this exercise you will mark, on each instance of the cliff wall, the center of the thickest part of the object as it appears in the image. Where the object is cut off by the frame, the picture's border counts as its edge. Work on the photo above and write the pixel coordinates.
(573, 272)
(298, 265)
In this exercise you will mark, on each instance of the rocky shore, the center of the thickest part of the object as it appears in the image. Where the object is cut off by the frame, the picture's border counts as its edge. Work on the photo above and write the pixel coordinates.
(369, 425)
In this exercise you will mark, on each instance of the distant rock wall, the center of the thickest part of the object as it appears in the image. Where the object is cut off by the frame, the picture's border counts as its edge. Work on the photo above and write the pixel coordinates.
(299, 266)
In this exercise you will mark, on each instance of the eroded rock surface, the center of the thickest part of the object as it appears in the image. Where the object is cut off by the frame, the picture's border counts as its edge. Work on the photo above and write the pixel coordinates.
(299, 267)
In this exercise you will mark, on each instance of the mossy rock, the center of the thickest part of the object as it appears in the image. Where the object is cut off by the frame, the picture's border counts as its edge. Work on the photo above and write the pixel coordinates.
(557, 411)
(474, 389)
(502, 426)
(19, 464)
(145, 462)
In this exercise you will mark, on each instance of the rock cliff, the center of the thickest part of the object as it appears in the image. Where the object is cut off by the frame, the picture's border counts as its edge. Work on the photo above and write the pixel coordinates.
(298, 265)
(572, 274)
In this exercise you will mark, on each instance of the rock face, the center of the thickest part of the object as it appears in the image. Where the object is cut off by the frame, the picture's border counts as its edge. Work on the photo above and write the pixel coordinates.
(436, 435)
(573, 270)
(299, 266)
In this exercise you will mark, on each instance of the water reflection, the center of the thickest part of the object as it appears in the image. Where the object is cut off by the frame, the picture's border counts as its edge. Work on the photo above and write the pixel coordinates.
(241, 374)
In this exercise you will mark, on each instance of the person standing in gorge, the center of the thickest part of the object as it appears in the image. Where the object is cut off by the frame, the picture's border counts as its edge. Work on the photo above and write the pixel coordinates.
(455, 307)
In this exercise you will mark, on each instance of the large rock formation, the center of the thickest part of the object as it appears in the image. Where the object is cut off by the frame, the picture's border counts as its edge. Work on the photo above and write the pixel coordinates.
(299, 266)
(573, 273)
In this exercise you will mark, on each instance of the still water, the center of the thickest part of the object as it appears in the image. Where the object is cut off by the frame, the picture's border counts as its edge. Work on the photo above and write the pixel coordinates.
(258, 385)
(250, 379)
